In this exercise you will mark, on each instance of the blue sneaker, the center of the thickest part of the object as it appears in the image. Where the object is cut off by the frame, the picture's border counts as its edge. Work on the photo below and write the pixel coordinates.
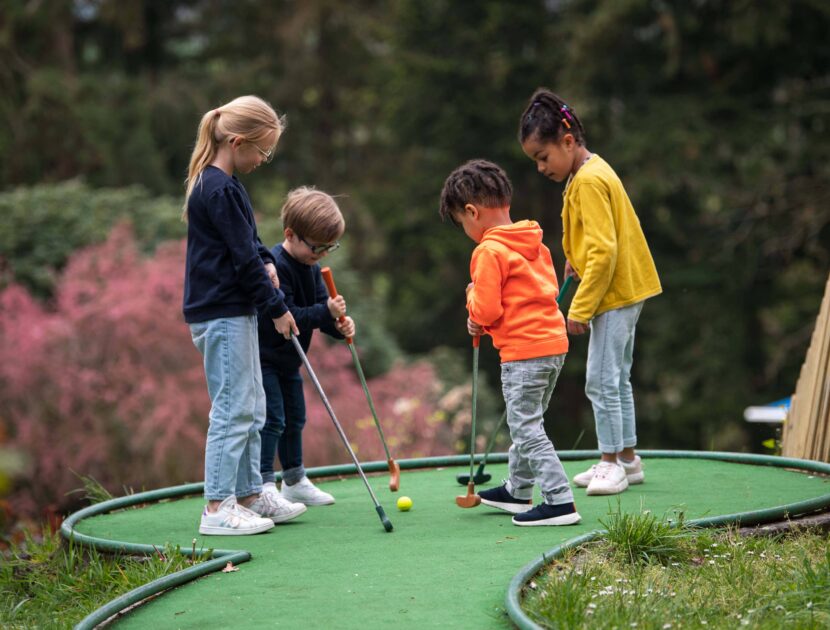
(546, 514)
(500, 498)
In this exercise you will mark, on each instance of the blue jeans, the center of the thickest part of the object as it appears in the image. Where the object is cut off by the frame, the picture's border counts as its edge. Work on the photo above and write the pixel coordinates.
(608, 377)
(284, 422)
(527, 387)
(230, 350)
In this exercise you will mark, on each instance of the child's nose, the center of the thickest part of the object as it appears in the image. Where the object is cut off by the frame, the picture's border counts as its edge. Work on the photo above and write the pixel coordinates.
(540, 166)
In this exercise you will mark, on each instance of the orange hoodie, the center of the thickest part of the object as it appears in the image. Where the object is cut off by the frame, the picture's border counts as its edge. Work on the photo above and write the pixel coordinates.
(514, 293)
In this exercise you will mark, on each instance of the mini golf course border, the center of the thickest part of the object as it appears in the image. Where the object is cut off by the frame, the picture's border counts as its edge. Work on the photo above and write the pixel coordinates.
(220, 557)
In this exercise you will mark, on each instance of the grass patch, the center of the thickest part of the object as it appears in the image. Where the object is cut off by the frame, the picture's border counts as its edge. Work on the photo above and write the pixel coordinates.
(655, 573)
(46, 582)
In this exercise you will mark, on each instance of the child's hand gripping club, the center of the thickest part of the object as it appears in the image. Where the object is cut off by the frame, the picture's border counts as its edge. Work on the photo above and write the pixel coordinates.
(337, 307)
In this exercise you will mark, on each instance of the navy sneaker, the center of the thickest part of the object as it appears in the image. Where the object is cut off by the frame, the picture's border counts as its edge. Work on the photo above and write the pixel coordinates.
(545, 514)
(500, 498)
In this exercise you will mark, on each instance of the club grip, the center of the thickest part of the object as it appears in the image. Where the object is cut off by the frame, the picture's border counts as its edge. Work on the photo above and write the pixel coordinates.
(328, 278)
(476, 341)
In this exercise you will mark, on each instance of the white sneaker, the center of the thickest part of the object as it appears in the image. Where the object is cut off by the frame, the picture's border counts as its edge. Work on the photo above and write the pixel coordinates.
(633, 471)
(608, 478)
(231, 519)
(306, 493)
(271, 504)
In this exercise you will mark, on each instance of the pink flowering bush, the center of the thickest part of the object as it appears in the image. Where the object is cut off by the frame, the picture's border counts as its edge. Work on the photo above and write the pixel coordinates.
(105, 382)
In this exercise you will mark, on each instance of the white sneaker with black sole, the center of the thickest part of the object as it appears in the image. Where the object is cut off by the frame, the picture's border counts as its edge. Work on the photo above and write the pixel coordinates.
(271, 504)
(231, 519)
(306, 493)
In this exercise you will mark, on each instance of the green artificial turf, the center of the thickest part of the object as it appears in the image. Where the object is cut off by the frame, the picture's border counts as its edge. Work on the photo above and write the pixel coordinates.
(442, 566)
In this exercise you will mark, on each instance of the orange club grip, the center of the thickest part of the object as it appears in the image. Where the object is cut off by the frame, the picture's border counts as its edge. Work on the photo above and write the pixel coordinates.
(476, 341)
(328, 278)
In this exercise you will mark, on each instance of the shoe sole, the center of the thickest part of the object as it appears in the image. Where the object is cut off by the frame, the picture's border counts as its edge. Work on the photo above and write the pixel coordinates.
(309, 503)
(633, 480)
(282, 518)
(566, 519)
(620, 487)
(210, 530)
(513, 508)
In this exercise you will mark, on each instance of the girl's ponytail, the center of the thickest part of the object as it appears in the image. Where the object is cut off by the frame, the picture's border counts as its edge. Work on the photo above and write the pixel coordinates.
(203, 153)
(548, 117)
(246, 117)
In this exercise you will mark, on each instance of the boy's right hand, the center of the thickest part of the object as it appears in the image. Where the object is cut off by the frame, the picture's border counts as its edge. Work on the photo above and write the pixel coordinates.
(474, 329)
(570, 272)
(337, 306)
(285, 325)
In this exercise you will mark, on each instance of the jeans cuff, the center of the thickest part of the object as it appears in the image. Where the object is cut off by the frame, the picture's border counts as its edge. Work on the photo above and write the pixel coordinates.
(523, 494)
(270, 477)
(293, 475)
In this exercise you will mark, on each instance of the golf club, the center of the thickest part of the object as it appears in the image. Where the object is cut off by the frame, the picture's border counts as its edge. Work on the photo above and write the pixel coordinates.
(394, 469)
(387, 524)
(481, 476)
(471, 499)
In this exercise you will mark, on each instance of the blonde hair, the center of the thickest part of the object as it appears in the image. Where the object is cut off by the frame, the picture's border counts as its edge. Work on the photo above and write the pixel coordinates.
(314, 214)
(246, 117)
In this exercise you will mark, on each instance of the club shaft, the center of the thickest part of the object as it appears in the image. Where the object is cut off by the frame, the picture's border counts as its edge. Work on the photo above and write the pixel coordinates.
(492, 441)
(473, 419)
(362, 378)
(337, 426)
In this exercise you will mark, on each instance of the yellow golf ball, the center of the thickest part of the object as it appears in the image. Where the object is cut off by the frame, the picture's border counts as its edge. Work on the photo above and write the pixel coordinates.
(404, 503)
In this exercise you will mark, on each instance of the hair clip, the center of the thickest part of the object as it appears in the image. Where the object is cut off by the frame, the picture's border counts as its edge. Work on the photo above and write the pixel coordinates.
(564, 109)
(566, 123)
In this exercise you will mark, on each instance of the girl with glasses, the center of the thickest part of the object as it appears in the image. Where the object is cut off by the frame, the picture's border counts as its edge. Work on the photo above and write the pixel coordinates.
(229, 277)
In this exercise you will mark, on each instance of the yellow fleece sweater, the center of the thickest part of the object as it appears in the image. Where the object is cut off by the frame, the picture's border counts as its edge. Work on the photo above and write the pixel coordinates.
(603, 240)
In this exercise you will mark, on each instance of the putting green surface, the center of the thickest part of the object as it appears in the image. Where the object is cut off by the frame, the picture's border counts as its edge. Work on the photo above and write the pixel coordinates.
(442, 566)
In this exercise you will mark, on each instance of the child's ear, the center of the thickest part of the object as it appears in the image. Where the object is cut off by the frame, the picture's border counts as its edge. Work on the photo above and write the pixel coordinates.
(568, 141)
(289, 233)
(471, 211)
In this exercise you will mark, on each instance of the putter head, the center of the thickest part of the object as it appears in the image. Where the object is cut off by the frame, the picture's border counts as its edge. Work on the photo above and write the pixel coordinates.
(394, 475)
(470, 500)
(478, 478)
(387, 524)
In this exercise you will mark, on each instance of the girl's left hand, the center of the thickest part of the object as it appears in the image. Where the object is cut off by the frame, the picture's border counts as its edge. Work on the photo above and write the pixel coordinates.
(271, 270)
(577, 328)
(345, 327)
(475, 330)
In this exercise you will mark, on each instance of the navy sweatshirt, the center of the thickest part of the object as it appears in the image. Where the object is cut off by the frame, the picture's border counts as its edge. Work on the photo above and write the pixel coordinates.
(306, 297)
(225, 267)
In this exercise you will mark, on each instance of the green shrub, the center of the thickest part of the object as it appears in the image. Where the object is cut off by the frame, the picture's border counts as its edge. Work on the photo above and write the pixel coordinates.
(42, 225)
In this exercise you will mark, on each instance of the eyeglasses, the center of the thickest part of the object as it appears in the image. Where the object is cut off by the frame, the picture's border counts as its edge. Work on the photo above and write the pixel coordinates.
(268, 155)
(320, 249)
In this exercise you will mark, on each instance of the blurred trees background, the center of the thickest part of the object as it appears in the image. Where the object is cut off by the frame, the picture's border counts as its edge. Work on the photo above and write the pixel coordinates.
(714, 113)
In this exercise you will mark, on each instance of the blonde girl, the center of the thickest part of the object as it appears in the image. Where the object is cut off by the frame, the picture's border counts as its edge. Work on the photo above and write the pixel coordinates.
(229, 277)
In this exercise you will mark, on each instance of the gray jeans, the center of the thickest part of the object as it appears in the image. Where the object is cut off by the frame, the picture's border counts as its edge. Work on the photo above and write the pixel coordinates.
(527, 387)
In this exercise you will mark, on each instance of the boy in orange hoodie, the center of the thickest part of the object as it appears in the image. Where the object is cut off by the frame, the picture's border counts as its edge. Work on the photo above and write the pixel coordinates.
(512, 298)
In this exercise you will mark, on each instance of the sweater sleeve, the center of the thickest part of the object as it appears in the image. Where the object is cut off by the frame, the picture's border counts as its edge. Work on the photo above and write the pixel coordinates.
(484, 302)
(601, 251)
(307, 316)
(228, 215)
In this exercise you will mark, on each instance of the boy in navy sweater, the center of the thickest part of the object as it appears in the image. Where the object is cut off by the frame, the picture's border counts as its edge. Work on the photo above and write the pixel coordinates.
(312, 224)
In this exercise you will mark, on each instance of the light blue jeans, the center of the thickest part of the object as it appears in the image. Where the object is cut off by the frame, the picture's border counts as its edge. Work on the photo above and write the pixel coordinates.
(230, 349)
(608, 377)
(527, 387)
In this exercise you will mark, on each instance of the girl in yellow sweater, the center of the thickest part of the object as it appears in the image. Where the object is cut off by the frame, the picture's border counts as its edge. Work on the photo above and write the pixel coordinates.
(605, 247)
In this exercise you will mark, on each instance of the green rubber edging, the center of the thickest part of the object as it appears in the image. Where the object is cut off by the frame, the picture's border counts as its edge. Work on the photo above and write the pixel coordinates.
(220, 557)
(753, 517)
